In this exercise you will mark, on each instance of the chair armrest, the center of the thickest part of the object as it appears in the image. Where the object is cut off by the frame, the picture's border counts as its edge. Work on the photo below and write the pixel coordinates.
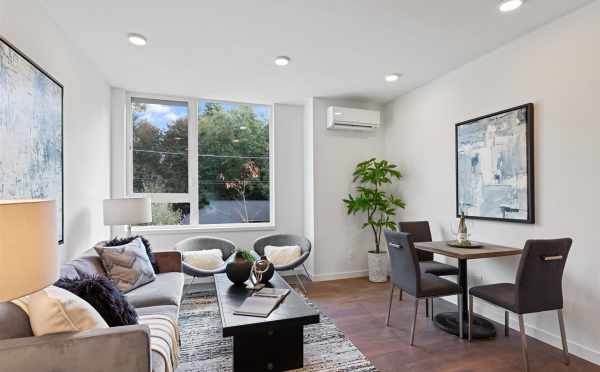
(169, 261)
(124, 348)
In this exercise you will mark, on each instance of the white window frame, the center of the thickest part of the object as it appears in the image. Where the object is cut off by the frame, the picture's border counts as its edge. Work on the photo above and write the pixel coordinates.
(192, 196)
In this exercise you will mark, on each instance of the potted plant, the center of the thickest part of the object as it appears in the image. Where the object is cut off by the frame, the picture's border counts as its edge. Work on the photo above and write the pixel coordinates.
(238, 271)
(378, 205)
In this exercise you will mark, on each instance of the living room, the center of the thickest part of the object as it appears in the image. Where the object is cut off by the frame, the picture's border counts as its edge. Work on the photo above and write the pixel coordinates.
(409, 184)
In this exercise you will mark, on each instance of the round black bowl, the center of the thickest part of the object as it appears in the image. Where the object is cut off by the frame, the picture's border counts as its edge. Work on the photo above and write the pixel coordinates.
(238, 272)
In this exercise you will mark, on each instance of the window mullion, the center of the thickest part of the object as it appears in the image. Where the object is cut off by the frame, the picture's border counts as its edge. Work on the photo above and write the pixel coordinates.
(193, 161)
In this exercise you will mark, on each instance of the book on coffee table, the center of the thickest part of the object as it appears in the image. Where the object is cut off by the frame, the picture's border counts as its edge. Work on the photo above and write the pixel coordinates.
(262, 303)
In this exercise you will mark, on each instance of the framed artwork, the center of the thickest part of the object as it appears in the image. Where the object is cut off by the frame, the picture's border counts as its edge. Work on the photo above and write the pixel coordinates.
(494, 166)
(31, 131)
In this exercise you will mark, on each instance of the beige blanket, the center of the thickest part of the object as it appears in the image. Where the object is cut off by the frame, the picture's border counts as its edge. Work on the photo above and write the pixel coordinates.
(164, 338)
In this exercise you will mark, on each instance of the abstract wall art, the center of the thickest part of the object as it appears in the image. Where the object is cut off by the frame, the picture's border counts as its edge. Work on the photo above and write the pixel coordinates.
(494, 166)
(31, 131)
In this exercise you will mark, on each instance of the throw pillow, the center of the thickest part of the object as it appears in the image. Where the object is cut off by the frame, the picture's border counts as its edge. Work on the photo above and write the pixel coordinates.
(104, 296)
(55, 310)
(120, 241)
(284, 255)
(209, 259)
(127, 265)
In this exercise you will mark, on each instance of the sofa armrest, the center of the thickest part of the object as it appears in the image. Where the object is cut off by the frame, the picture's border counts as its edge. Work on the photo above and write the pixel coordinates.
(124, 348)
(169, 261)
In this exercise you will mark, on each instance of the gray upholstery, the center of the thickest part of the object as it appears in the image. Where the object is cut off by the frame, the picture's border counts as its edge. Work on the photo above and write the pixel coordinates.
(199, 243)
(406, 272)
(421, 232)
(113, 349)
(166, 289)
(280, 240)
(14, 322)
(538, 286)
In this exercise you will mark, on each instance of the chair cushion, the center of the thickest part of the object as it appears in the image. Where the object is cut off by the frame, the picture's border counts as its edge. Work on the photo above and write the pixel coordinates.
(434, 286)
(166, 289)
(282, 255)
(206, 259)
(502, 294)
(437, 268)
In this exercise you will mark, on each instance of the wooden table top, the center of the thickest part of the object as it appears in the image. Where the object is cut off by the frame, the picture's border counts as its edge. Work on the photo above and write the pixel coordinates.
(487, 251)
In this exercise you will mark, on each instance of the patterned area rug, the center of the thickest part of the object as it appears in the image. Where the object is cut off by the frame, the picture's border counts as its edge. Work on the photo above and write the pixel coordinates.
(203, 348)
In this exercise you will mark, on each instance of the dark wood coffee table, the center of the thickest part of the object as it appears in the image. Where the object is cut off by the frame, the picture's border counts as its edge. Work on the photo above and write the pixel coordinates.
(275, 343)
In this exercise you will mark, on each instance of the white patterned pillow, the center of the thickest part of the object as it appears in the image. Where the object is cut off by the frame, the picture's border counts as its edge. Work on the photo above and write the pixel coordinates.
(127, 265)
(208, 259)
(284, 255)
(55, 310)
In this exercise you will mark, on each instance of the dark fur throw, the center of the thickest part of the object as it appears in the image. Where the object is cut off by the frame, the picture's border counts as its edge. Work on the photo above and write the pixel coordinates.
(121, 241)
(104, 296)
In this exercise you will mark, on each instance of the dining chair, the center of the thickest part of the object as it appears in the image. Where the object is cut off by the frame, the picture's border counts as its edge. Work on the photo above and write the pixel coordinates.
(407, 275)
(422, 233)
(283, 240)
(537, 288)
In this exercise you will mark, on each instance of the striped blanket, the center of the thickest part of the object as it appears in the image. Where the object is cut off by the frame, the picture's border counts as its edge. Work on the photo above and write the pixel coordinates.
(164, 338)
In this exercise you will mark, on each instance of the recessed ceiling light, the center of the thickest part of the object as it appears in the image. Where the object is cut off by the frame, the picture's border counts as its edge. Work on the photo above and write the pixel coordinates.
(392, 77)
(282, 60)
(510, 5)
(137, 39)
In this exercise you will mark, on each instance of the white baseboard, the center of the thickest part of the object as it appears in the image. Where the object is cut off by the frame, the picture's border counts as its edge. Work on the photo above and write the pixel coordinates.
(496, 314)
(342, 275)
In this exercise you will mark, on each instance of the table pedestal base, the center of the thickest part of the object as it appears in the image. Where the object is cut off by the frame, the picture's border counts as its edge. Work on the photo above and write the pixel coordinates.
(482, 328)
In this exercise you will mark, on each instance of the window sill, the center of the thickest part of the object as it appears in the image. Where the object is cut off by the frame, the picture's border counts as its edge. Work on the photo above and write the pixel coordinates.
(187, 229)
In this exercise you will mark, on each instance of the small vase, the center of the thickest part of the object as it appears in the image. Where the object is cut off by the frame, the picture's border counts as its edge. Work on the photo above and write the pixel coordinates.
(378, 267)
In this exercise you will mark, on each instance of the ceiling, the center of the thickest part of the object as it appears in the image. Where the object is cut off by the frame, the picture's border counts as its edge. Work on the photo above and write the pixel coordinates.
(341, 48)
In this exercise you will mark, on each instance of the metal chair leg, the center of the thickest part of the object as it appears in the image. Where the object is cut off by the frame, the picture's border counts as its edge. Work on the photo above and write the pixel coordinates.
(523, 343)
(306, 271)
(426, 307)
(300, 283)
(387, 321)
(400, 296)
(563, 336)
(189, 286)
(460, 317)
(506, 323)
(470, 318)
(432, 314)
(412, 330)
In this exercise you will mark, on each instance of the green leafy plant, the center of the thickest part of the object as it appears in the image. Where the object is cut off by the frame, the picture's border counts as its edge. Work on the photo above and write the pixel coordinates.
(245, 255)
(372, 176)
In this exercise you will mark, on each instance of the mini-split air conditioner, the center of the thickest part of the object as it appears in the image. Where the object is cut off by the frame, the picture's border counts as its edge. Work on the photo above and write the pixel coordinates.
(344, 118)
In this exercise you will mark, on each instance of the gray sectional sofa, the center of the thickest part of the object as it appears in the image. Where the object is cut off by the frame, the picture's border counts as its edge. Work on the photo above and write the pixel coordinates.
(124, 348)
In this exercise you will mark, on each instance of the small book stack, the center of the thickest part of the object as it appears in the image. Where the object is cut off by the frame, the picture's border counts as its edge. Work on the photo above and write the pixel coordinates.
(262, 303)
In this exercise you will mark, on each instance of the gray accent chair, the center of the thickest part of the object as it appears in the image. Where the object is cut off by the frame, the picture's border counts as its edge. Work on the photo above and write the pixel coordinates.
(407, 275)
(538, 287)
(200, 243)
(280, 240)
(125, 348)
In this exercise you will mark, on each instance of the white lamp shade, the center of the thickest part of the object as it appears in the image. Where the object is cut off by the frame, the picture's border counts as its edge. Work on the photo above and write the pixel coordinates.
(127, 211)
(28, 247)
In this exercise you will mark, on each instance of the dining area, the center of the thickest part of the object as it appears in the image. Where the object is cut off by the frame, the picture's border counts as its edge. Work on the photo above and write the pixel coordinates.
(537, 284)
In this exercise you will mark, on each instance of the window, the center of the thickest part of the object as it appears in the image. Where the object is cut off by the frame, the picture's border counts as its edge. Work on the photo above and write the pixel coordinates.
(220, 164)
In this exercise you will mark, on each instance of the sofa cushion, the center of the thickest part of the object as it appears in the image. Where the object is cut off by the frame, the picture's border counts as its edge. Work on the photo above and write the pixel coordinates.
(120, 241)
(14, 322)
(166, 289)
(172, 311)
(84, 265)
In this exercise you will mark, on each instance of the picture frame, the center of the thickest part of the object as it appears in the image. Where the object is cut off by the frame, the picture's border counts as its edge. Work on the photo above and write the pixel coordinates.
(31, 131)
(495, 177)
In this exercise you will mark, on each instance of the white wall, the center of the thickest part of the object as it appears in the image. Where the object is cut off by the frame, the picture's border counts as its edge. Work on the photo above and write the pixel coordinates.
(340, 244)
(288, 120)
(556, 68)
(86, 118)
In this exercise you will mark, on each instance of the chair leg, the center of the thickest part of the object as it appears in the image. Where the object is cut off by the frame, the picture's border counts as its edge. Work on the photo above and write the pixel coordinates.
(523, 343)
(563, 336)
(460, 317)
(306, 271)
(387, 320)
(189, 286)
(414, 323)
(506, 323)
(432, 314)
(300, 282)
(470, 318)
(400, 296)
(426, 307)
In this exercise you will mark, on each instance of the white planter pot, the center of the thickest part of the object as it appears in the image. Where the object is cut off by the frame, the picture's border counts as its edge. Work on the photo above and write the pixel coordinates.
(378, 267)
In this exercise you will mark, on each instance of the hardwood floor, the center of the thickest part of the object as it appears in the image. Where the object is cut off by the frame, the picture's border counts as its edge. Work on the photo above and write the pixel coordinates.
(359, 307)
